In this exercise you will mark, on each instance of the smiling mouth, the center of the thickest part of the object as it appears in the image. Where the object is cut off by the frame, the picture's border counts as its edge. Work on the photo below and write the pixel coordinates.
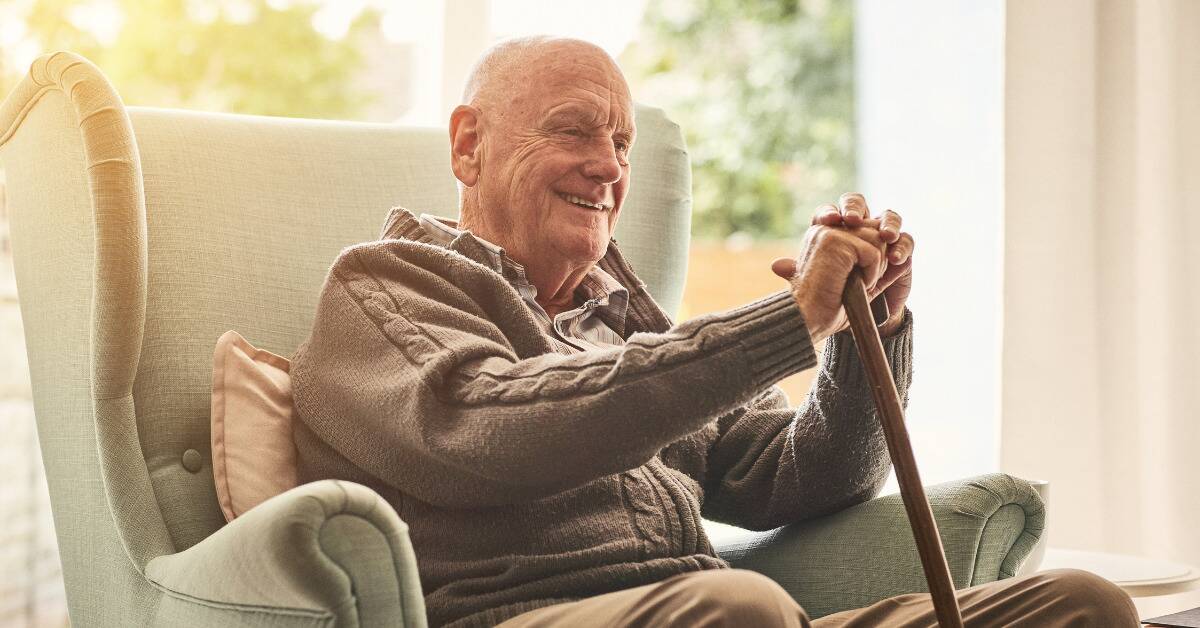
(575, 200)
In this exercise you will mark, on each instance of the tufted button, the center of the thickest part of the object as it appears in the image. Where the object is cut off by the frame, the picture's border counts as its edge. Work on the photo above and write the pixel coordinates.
(192, 460)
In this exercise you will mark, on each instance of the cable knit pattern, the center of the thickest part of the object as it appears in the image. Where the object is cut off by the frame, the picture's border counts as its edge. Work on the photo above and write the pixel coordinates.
(529, 477)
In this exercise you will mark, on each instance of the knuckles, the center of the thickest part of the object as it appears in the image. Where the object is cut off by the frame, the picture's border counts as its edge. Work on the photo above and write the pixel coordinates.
(822, 237)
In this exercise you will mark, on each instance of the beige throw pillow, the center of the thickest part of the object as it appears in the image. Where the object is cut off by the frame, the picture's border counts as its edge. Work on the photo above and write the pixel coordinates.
(254, 457)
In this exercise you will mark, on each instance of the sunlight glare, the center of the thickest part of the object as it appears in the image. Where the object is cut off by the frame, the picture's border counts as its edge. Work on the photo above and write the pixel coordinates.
(23, 54)
(202, 11)
(611, 28)
(11, 30)
(333, 19)
(101, 18)
(411, 22)
(240, 11)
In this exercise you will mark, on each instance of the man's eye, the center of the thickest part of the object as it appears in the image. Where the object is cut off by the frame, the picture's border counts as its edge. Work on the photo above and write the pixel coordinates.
(574, 132)
(621, 145)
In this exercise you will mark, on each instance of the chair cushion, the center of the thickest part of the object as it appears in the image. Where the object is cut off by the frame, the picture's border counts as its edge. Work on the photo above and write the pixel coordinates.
(254, 457)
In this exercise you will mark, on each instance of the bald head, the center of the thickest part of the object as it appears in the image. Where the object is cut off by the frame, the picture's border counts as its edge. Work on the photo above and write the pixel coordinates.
(507, 67)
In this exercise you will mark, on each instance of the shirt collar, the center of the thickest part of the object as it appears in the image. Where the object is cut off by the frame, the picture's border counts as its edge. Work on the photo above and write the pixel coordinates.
(611, 298)
(444, 231)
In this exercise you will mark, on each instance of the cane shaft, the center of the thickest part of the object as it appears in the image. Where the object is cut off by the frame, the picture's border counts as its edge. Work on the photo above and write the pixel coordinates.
(891, 415)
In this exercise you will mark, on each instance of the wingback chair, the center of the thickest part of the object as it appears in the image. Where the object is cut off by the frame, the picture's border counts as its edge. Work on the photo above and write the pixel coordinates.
(141, 234)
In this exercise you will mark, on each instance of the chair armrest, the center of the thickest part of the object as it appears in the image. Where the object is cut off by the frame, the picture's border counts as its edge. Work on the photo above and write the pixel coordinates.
(988, 525)
(322, 554)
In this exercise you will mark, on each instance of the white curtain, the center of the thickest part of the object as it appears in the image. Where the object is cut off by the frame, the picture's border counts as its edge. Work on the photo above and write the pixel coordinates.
(1100, 385)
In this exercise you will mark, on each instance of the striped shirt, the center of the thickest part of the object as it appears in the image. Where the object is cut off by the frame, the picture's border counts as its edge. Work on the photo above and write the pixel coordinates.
(601, 301)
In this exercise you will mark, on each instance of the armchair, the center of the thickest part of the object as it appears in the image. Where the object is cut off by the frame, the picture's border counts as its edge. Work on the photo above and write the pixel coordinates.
(140, 235)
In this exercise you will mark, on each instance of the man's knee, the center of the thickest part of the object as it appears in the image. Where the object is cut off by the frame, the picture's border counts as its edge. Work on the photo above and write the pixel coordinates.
(739, 597)
(1099, 601)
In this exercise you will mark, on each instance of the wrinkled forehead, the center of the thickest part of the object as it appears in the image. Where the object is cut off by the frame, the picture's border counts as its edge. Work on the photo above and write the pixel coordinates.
(581, 80)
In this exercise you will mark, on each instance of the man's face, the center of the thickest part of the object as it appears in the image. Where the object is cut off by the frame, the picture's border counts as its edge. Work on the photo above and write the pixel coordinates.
(559, 150)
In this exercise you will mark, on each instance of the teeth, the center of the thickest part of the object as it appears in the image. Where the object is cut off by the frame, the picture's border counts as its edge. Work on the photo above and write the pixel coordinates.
(579, 201)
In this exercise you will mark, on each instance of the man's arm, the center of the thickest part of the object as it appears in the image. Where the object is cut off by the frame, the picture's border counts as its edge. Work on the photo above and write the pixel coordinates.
(771, 465)
(406, 374)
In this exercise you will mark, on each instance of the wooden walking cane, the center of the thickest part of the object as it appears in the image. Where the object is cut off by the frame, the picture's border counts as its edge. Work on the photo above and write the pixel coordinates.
(891, 415)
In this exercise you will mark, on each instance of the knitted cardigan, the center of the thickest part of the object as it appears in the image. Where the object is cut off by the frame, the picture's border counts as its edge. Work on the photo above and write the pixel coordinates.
(528, 477)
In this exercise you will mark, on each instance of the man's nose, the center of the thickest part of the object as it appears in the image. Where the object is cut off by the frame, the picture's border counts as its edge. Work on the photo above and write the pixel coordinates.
(603, 166)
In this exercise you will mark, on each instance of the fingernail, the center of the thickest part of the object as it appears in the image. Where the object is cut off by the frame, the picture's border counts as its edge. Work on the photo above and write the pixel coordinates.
(895, 256)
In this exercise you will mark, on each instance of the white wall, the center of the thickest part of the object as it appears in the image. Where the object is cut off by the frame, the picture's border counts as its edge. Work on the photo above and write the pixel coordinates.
(930, 135)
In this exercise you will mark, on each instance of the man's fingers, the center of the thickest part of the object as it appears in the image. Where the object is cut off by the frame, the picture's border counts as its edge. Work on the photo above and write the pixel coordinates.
(870, 237)
(889, 226)
(862, 247)
(854, 208)
(894, 272)
(784, 267)
(901, 250)
(870, 232)
(827, 214)
(870, 259)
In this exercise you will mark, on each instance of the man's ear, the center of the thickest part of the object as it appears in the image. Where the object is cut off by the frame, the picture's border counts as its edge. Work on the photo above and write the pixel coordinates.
(465, 144)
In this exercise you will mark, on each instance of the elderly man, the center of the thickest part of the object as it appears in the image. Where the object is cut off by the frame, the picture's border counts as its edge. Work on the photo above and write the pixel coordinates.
(551, 438)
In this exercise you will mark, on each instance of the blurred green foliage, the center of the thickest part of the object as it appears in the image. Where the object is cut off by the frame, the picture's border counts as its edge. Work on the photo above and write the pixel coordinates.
(764, 92)
(242, 56)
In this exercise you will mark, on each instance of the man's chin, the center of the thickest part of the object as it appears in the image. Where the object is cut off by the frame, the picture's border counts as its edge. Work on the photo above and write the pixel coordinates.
(585, 251)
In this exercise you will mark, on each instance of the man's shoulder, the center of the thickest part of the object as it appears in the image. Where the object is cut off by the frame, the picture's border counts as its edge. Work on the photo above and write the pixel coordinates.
(411, 276)
(394, 256)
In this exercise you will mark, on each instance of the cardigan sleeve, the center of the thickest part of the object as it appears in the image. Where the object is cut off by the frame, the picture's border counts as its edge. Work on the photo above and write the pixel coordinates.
(769, 465)
(407, 375)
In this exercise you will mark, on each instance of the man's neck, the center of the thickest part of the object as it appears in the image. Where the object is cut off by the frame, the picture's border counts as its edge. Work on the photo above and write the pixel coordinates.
(555, 279)
(555, 286)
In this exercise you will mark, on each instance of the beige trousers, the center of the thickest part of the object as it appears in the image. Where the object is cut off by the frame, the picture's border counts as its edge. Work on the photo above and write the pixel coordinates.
(736, 597)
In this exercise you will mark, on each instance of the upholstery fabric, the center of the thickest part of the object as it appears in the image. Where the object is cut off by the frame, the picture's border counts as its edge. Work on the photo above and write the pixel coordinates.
(254, 457)
(45, 154)
(328, 550)
(988, 526)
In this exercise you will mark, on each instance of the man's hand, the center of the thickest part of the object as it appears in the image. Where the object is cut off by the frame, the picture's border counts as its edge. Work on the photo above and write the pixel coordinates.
(896, 283)
(844, 236)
